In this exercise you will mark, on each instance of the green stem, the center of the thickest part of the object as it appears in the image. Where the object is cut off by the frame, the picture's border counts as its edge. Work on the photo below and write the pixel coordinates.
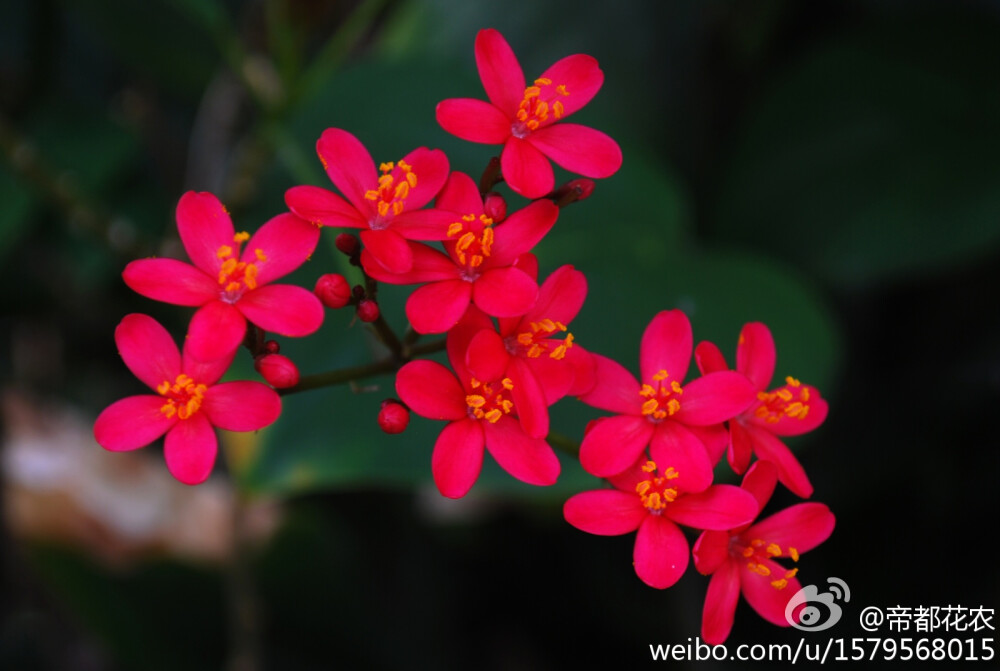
(564, 443)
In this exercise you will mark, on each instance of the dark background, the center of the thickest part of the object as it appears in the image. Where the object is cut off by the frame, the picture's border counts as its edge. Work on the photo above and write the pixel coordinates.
(829, 168)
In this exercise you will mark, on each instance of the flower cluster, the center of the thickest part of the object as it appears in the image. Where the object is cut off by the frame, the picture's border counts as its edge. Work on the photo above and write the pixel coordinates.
(468, 254)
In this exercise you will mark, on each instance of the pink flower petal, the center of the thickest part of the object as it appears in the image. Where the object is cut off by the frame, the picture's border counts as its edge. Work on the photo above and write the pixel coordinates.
(580, 75)
(715, 398)
(755, 354)
(349, 166)
(720, 604)
(190, 449)
(790, 471)
(423, 224)
(760, 481)
(615, 390)
(460, 195)
(709, 358)
(614, 444)
(473, 120)
(560, 297)
(429, 265)
(673, 444)
(131, 423)
(486, 357)
(579, 149)
(768, 601)
(666, 345)
(215, 331)
(605, 512)
(283, 308)
(243, 405)
(286, 241)
(499, 71)
(740, 448)
(431, 168)
(170, 281)
(529, 399)
(802, 526)
(436, 307)
(528, 459)
(148, 350)
(661, 552)
(526, 169)
(459, 340)
(206, 372)
(718, 508)
(557, 376)
(521, 231)
(710, 551)
(458, 457)
(389, 249)
(584, 371)
(794, 426)
(431, 390)
(715, 438)
(504, 292)
(324, 207)
(204, 226)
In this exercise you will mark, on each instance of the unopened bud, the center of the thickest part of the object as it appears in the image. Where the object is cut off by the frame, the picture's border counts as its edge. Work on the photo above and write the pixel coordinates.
(333, 290)
(393, 416)
(272, 347)
(278, 370)
(573, 191)
(495, 207)
(346, 243)
(368, 310)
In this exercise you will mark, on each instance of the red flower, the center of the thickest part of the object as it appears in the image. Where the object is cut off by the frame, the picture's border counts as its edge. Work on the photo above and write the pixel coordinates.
(527, 349)
(660, 412)
(654, 502)
(385, 206)
(187, 404)
(232, 287)
(480, 414)
(789, 410)
(483, 264)
(741, 559)
(524, 119)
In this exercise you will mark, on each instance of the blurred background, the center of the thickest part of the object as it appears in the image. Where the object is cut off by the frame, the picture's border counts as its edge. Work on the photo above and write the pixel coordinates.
(829, 168)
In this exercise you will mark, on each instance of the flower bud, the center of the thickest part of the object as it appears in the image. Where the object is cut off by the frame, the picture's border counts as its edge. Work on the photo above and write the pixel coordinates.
(393, 416)
(346, 243)
(333, 290)
(272, 347)
(368, 310)
(495, 207)
(573, 191)
(278, 370)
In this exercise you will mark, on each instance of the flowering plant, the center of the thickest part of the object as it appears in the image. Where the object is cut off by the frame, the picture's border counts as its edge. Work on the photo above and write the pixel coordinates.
(510, 353)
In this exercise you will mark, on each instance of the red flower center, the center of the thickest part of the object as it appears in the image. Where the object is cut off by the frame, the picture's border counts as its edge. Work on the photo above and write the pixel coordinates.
(184, 396)
(654, 492)
(390, 196)
(485, 403)
(237, 276)
(661, 401)
(539, 101)
(791, 400)
(473, 237)
(537, 341)
(757, 551)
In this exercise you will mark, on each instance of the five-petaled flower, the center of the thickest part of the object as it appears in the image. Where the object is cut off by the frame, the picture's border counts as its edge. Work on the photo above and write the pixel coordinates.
(653, 501)
(232, 286)
(484, 263)
(789, 410)
(527, 120)
(385, 205)
(480, 414)
(742, 559)
(660, 412)
(188, 402)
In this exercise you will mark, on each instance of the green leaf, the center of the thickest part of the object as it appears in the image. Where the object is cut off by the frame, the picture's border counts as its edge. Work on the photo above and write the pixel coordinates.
(875, 156)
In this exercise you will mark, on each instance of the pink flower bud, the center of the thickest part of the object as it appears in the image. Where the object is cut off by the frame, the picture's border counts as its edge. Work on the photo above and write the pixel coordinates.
(368, 310)
(346, 243)
(495, 207)
(272, 347)
(393, 417)
(278, 370)
(333, 290)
